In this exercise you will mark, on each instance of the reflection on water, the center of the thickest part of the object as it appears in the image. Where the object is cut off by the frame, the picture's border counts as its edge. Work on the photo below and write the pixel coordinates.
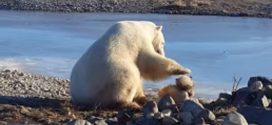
(215, 48)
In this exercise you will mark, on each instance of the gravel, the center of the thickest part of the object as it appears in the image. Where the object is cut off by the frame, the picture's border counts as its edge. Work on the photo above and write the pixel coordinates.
(15, 83)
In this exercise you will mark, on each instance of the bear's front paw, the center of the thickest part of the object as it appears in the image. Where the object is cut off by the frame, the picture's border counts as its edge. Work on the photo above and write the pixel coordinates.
(181, 71)
(141, 100)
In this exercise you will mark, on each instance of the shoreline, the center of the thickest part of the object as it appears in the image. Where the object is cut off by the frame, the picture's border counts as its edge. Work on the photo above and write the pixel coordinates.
(27, 98)
(233, 8)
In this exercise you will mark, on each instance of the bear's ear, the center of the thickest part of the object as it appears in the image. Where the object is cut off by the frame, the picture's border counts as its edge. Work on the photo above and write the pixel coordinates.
(159, 28)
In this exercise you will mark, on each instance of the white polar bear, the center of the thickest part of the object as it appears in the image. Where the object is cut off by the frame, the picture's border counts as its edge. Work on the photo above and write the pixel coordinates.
(111, 70)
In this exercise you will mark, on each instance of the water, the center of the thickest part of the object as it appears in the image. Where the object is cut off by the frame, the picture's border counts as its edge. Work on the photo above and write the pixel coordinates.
(216, 49)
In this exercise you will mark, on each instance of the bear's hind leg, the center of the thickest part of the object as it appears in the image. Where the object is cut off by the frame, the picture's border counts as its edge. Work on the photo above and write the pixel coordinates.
(140, 97)
(131, 105)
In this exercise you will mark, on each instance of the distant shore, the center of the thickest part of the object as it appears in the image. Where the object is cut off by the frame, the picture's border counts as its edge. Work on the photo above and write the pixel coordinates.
(248, 8)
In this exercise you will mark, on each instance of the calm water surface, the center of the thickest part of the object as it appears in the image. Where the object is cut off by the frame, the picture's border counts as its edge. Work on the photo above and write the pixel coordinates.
(215, 48)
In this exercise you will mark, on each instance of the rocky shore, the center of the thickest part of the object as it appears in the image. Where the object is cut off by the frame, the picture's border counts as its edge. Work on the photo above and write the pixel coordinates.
(255, 8)
(36, 99)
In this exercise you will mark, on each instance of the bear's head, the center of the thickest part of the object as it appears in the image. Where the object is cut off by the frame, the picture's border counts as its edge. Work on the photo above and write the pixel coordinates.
(158, 42)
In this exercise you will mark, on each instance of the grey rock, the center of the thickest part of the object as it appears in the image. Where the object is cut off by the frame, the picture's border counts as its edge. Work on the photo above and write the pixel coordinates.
(219, 121)
(199, 121)
(150, 107)
(257, 115)
(123, 117)
(186, 117)
(235, 118)
(158, 115)
(207, 115)
(166, 112)
(255, 86)
(146, 121)
(166, 102)
(192, 106)
(167, 120)
(150, 115)
(79, 122)
(129, 123)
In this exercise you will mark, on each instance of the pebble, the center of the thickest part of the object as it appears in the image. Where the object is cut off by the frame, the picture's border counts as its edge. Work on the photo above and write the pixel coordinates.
(27, 85)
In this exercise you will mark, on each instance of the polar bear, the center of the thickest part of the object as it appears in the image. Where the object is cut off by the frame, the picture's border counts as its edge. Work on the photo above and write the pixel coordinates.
(111, 71)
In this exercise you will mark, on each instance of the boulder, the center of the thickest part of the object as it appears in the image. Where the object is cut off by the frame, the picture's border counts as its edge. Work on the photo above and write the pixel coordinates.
(167, 120)
(268, 91)
(158, 115)
(256, 115)
(266, 81)
(192, 106)
(166, 112)
(186, 118)
(166, 102)
(146, 121)
(199, 121)
(207, 115)
(235, 118)
(150, 108)
(261, 101)
(240, 96)
(124, 116)
(257, 99)
(255, 86)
